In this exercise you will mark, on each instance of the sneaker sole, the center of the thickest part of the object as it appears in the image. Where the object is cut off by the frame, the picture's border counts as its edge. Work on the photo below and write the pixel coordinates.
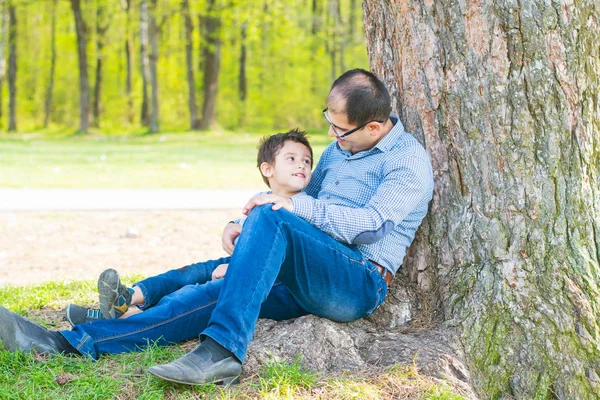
(68, 316)
(108, 286)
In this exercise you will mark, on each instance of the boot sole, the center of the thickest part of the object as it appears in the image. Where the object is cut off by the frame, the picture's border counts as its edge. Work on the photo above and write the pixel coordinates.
(228, 381)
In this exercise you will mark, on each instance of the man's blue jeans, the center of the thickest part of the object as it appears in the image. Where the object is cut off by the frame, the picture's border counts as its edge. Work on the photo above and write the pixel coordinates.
(282, 268)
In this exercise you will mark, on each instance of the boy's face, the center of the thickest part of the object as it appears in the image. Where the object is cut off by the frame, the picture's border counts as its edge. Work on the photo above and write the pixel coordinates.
(291, 171)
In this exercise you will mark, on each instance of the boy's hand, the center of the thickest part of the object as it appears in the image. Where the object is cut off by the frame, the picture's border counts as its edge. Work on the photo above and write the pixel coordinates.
(277, 201)
(230, 232)
(220, 271)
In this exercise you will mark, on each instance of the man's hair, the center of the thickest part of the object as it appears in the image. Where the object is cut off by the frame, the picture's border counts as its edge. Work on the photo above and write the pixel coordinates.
(365, 96)
(269, 147)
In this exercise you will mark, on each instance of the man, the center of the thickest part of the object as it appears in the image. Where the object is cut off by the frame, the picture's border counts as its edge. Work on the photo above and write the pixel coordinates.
(337, 249)
(332, 253)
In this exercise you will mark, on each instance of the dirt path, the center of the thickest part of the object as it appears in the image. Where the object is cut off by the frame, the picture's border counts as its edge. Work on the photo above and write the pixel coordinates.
(55, 246)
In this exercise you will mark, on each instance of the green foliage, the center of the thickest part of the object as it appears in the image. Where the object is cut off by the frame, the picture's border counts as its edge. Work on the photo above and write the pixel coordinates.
(289, 69)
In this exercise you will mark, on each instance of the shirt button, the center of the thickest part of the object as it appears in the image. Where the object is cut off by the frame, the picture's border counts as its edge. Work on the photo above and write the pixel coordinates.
(327, 197)
(337, 182)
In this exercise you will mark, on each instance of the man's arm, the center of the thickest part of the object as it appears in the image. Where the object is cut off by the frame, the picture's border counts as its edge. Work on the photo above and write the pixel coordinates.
(400, 192)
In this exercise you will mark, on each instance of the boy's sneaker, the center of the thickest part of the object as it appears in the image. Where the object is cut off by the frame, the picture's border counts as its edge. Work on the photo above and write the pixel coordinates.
(80, 315)
(115, 298)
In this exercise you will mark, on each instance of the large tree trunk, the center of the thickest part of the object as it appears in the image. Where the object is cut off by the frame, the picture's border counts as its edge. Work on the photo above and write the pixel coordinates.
(12, 67)
(212, 65)
(505, 97)
(84, 84)
(50, 88)
(101, 28)
(189, 63)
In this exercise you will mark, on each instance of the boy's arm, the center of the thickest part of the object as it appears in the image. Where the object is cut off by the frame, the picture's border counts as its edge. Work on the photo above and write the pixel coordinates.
(232, 231)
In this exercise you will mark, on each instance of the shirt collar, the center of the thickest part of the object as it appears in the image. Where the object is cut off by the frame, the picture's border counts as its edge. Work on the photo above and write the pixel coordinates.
(389, 140)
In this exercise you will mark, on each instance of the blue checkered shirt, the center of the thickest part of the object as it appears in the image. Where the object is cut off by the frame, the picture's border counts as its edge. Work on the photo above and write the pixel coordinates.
(375, 199)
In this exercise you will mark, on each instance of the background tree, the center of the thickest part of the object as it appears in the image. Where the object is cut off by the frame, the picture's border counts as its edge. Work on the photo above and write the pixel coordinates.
(128, 47)
(153, 65)
(50, 89)
(102, 24)
(84, 84)
(12, 66)
(212, 64)
(145, 58)
(189, 62)
(504, 95)
(3, 37)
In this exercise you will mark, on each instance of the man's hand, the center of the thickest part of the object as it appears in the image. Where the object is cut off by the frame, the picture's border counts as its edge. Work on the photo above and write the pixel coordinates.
(277, 201)
(230, 232)
(220, 271)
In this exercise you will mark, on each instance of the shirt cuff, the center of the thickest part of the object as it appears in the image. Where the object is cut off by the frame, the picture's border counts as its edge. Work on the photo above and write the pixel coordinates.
(303, 206)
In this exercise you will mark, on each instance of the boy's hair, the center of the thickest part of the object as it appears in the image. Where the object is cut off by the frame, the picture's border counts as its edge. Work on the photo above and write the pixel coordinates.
(269, 147)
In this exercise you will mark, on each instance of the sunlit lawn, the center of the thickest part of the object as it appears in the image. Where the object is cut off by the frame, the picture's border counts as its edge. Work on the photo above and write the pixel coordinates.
(202, 160)
(125, 376)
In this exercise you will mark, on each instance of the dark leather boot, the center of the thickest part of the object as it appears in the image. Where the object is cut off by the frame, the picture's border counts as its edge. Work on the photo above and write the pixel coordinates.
(17, 333)
(198, 368)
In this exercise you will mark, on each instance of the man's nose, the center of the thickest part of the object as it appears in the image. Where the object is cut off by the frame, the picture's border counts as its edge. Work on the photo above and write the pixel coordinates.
(331, 132)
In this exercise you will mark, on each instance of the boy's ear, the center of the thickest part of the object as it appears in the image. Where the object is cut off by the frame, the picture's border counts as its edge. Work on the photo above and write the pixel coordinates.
(265, 169)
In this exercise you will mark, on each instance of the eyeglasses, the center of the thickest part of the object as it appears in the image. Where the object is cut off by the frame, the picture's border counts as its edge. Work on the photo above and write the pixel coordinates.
(351, 131)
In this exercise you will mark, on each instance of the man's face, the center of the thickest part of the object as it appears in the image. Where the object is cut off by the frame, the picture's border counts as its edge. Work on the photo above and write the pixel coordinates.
(291, 171)
(358, 141)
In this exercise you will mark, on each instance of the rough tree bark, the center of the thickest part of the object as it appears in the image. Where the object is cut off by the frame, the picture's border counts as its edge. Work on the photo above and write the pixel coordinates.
(189, 62)
(84, 84)
(12, 67)
(504, 95)
(50, 88)
(212, 65)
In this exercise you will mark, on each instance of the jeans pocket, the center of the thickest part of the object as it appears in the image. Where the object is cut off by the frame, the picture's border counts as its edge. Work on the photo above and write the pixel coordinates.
(379, 298)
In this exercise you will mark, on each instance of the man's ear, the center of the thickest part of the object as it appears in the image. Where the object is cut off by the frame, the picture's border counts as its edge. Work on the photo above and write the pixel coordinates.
(373, 128)
(265, 169)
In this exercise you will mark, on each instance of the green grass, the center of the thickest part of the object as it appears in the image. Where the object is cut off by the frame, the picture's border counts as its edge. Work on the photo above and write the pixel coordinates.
(199, 160)
(124, 376)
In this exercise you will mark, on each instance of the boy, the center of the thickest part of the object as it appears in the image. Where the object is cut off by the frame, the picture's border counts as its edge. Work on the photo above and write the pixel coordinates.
(285, 161)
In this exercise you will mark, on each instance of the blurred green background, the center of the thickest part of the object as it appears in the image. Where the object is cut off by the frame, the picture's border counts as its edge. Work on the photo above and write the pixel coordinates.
(293, 49)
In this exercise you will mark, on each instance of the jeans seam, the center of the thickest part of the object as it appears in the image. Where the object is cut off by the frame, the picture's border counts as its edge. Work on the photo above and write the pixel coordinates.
(82, 343)
(155, 325)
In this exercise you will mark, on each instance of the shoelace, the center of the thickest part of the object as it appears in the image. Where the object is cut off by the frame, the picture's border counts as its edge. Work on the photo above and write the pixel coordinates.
(95, 314)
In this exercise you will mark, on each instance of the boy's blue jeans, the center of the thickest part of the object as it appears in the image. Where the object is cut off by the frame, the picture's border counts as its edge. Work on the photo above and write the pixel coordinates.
(282, 268)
